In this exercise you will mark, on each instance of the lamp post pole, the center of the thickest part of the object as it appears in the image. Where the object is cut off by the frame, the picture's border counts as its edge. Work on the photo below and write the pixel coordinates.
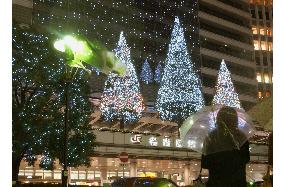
(71, 47)
(66, 130)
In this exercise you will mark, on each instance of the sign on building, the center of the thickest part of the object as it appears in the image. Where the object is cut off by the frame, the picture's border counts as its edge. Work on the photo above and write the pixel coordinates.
(166, 142)
(153, 141)
(136, 139)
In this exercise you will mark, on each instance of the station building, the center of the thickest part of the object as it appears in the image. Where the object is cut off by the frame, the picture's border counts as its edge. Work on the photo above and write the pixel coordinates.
(154, 153)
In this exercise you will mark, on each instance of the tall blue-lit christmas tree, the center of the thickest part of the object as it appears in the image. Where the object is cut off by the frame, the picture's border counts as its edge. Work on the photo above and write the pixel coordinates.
(158, 73)
(121, 99)
(180, 93)
(225, 91)
(146, 75)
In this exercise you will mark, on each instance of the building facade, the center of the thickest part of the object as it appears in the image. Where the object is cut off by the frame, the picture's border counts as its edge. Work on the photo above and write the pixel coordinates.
(149, 155)
(262, 28)
(22, 12)
(225, 34)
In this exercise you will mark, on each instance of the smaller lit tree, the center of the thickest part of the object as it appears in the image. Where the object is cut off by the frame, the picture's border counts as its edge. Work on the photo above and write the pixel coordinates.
(158, 73)
(225, 91)
(146, 73)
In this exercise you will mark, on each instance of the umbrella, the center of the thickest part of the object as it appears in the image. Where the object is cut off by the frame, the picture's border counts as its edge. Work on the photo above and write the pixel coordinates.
(200, 128)
(262, 113)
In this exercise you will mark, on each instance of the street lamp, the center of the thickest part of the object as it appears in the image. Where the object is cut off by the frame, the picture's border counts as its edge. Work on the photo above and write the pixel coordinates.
(68, 42)
(76, 52)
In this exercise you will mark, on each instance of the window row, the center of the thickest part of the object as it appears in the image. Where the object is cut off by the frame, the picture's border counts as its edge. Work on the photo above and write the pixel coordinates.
(260, 14)
(265, 61)
(265, 78)
(42, 174)
(223, 15)
(75, 175)
(240, 87)
(236, 69)
(56, 174)
(262, 31)
(262, 45)
(221, 31)
(262, 2)
(227, 49)
(236, 4)
(263, 94)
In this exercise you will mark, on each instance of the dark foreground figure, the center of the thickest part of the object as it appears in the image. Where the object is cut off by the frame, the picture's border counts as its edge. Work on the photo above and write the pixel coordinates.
(226, 168)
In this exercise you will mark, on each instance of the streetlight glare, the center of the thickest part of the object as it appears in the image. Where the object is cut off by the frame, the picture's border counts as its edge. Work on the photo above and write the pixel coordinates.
(59, 45)
(79, 51)
(75, 45)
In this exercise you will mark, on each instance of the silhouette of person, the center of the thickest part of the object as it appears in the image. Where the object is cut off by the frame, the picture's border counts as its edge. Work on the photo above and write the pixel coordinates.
(224, 155)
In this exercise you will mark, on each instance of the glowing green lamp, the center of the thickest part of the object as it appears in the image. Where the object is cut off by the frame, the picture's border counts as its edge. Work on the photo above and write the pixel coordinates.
(94, 54)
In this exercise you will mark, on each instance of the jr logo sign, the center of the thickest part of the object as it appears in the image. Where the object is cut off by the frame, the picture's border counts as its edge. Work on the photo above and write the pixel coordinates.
(136, 139)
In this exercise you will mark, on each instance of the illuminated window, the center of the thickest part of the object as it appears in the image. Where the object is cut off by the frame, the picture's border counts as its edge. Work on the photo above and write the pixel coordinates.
(21, 173)
(259, 94)
(82, 174)
(39, 173)
(270, 46)
(261, 31)
(258, 77)
(263, 45)
(29, 172)
(266, 78)
(126, 174)
(97, 174)
(111, 174)
(254, 30)
(256, 45)
(57, 174)
(257, 2)
(269, 33)
(74, 174)
(267, 94)
(47, 174)
(90, 175)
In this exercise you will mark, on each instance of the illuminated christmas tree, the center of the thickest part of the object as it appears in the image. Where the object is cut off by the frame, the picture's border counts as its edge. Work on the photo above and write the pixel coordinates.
(180, 92)
(225, 91)
(146, 73)
(158, 73)
(121, 99)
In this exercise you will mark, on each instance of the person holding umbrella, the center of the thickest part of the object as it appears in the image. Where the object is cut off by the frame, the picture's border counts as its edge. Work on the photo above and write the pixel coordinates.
(220, 133)
(228, 167)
